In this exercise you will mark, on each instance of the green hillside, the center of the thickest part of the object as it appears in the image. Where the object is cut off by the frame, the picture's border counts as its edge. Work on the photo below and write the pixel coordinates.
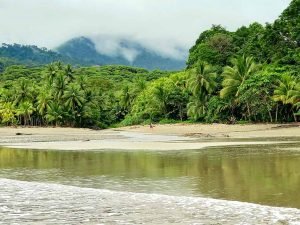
(250, 75)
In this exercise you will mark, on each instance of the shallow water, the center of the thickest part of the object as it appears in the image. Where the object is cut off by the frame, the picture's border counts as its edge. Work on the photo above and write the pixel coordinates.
(131, 187)
(40, 203)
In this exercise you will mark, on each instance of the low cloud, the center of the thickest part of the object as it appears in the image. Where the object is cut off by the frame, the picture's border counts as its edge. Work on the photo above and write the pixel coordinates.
(166, 26)
(130, 47)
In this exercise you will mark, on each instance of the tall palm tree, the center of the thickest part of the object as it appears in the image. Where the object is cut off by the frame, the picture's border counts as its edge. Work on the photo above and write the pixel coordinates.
(202, 80)
(25, 110)
(51, 73)
(23, 91)
(126, 98)
(43, 101)
(234, 77)
(55, 113)
(73, 97)
(60, 86)
(161, 96)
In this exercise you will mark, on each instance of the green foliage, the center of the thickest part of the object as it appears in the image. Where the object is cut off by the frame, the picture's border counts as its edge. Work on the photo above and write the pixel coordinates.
(30, 54)
(213, 46)
(234, 77)
(251, 75)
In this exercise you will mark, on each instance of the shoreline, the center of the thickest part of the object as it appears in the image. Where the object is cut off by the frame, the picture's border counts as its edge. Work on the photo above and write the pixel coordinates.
(161, 137)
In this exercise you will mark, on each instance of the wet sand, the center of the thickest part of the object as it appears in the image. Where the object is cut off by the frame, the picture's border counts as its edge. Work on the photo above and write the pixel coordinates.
(161, 137)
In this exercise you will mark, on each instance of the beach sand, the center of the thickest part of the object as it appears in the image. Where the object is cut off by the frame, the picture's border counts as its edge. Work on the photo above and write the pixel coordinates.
(160, 137)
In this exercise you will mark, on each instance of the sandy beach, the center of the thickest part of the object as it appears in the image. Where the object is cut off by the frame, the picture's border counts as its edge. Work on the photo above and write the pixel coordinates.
(161, 137)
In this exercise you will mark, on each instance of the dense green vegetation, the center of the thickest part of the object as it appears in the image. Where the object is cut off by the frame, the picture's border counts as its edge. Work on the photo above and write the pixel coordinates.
(252, 74)
(28, 55)
(60, 95)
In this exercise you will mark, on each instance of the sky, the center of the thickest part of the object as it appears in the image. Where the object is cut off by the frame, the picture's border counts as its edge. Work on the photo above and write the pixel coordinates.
(166, 26)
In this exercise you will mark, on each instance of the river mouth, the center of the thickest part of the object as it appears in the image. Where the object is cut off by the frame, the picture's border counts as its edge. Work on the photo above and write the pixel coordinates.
(264, 174)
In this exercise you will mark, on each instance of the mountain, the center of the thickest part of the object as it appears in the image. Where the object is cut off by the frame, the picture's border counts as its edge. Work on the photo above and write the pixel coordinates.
(83, 51)
(128, 53)
(29, 55)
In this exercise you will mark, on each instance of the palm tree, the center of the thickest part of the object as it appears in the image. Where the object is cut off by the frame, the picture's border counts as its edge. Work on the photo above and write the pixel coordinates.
(59, 65)
(288, 92)
(25, 110)
(60, 85)
(73, 97)
(234, 77)
(196, 108)
(126, 98)
(7, 113)
(82, 82)
(140, 85)
(161, 96)
(282, 92)
(69, 73)
(23, 91)
(6, 95)
(202, 80)
(294, 95)
(202, 83)
(51, 73)
(43, 101)
(55, 113)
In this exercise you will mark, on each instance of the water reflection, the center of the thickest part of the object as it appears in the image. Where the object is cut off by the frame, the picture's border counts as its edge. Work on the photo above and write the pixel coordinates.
(262, 174)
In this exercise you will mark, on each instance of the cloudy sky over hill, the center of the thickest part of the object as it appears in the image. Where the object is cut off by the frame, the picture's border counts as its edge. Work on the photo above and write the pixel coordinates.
(164, 25)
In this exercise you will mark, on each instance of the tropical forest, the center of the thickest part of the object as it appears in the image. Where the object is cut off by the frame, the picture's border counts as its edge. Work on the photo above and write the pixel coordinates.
(248, 75)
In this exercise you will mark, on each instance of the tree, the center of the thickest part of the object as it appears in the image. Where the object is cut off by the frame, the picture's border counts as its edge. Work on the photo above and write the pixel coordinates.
(25, 110)
(287, 92)
(213, 46)
(7, 113)
(23, 91)
(43, 101)
(196, 108)
(59, 87)
(202, 80)
(126, 98)
(161, 96)
(51, 72)
(69, 73)
(73, 97)
(55, 113)
(235, 76)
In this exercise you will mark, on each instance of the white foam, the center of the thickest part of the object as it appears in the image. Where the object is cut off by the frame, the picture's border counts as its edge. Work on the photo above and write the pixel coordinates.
(32, 202)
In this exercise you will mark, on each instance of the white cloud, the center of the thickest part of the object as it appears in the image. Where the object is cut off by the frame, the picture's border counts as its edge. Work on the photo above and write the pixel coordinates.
(164, 25)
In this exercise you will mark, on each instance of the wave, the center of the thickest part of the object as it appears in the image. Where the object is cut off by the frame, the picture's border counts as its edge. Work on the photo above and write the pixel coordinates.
(33, 202)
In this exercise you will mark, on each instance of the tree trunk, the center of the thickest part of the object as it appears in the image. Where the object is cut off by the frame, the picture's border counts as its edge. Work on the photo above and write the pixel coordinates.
(276, 116)
(248, 110)
(295, 117)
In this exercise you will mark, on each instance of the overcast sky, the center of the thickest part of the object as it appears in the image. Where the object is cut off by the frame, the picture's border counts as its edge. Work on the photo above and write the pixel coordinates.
(163, 25)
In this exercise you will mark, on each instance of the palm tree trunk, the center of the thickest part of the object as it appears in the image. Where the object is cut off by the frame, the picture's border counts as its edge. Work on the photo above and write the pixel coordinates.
(276, 117)
(249, 113)
(295, 117)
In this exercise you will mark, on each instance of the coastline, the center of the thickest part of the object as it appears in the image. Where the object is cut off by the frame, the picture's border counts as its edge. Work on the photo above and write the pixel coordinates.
(161, 137)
